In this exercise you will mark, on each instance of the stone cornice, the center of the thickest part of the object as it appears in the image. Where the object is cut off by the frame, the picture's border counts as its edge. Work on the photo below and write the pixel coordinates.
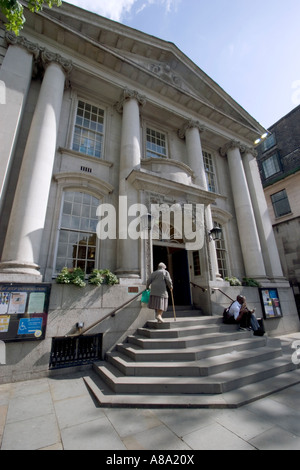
(129, 95)
(190, 125)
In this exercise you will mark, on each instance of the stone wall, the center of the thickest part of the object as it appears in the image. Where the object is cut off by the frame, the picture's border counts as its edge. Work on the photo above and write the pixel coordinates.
(68, 306)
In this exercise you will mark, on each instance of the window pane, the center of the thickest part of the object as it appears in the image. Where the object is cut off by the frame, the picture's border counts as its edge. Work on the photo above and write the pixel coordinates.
(155, 144)
(271, 166)
(77, 237)
(196, 262)
(269, 142)
(280, 203)
(221, 254)
(209, 170)
(88, 131)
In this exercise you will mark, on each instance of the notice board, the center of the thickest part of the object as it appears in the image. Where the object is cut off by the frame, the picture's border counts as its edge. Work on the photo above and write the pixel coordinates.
(23, 311)
(270, 303)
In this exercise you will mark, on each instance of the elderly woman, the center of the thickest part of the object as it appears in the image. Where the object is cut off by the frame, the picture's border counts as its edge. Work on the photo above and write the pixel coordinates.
(159, 280)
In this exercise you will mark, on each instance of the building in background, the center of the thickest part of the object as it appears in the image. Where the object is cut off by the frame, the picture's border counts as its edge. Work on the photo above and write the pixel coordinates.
(279, 165)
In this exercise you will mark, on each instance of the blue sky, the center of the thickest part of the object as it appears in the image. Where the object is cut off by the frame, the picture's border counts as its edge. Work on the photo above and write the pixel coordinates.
(251, 48)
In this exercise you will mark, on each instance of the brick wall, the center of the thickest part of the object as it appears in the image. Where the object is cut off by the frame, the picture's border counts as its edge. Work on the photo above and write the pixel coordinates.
(287, 146)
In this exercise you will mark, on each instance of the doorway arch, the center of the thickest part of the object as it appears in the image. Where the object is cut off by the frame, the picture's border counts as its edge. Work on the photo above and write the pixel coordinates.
(176, 260)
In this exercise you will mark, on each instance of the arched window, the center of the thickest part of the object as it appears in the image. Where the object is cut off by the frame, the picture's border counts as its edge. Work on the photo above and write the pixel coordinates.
(76, 247)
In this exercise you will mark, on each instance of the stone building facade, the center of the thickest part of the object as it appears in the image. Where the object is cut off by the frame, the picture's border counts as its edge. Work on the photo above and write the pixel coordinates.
(279, 165)
(98, 117)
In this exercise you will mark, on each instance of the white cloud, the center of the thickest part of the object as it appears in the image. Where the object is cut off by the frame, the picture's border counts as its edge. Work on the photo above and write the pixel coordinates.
(113, 9)
(117, 9)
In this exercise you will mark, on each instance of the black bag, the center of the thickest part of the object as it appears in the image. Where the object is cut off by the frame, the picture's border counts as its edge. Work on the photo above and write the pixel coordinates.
(225, 314)
(261, 330)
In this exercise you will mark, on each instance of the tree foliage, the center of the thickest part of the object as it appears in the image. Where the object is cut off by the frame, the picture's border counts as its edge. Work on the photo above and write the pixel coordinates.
(13, 10)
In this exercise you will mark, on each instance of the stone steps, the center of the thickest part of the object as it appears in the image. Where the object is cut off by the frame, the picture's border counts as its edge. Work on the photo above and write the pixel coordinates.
(204, 367)
(192, 356)
(214, 384)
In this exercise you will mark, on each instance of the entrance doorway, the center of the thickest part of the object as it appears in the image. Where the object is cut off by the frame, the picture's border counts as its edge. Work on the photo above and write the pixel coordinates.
(176, 260)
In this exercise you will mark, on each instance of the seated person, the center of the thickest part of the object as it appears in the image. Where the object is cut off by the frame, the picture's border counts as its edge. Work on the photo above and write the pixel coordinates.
(238, 313)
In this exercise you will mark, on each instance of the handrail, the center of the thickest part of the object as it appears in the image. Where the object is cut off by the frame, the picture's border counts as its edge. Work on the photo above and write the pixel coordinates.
(111, 314)
(217, 288)
(200, 287)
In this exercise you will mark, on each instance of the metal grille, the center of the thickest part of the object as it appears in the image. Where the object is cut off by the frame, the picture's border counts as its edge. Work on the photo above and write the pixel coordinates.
(68, 352)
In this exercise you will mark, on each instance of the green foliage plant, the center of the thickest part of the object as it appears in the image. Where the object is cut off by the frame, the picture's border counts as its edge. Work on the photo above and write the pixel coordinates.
(102, 276)
(13, 11)
(71, 276)
(233, 281)
(248, 281)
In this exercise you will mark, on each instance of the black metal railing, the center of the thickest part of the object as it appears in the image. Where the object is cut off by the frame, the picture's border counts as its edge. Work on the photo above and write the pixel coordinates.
(74, 351)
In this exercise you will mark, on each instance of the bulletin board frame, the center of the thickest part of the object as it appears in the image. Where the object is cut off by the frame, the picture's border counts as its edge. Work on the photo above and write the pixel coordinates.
(270, 303)
(23, 311)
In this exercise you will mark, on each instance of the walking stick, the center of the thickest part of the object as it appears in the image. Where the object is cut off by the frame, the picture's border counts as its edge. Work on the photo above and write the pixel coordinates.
(173, 304)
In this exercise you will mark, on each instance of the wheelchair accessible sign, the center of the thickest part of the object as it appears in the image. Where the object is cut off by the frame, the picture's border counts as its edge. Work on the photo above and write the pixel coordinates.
(30, 326)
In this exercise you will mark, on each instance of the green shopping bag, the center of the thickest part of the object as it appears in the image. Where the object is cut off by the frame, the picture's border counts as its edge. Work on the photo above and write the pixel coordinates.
(145, 296)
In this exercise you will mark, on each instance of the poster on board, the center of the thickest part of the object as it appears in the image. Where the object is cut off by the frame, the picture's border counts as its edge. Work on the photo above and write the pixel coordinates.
(270, 303)
(23, 311)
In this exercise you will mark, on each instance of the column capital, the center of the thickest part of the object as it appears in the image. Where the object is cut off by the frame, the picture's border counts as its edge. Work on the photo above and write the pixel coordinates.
(21, 41)
(48, 57)
(250, 150)
(191, 124)
(130, 95)
(244, 149)
(233, 144)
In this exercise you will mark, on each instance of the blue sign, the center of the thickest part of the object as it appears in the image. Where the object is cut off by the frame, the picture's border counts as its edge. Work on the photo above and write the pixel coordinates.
(30, 326)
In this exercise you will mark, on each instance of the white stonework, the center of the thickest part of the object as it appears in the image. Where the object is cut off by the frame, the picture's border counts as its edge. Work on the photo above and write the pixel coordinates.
(97, 111)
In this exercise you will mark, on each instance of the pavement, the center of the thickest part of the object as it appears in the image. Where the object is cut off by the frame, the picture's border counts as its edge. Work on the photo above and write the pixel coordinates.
(59, 413)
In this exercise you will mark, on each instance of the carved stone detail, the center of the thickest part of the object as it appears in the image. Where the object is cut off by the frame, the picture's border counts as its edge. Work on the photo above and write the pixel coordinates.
(190, 125)
(129, 95)
(42, 56)
(14, 40)
(236, 144)
(164, 71)
(48, 57)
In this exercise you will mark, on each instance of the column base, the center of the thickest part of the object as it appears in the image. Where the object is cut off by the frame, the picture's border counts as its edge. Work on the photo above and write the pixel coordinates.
(15, 271)
(128, 277)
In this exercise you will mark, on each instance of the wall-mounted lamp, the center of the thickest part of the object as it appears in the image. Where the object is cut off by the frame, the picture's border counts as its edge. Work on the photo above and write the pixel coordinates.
(215, 234)
(79, 325)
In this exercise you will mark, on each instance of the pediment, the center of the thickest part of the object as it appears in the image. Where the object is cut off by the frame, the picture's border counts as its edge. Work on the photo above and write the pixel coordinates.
(149, 61)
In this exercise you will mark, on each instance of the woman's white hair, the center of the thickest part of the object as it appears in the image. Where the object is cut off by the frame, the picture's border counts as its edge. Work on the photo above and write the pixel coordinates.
(162, 266)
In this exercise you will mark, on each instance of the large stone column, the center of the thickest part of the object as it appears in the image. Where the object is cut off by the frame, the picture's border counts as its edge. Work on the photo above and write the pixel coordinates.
(262, 216)
(130, 159)
(15, 78)
(25, 231)
(249, 239)
(192, 131)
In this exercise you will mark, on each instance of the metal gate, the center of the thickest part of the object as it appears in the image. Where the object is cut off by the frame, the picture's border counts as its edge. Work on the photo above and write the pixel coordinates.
(79, 350)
